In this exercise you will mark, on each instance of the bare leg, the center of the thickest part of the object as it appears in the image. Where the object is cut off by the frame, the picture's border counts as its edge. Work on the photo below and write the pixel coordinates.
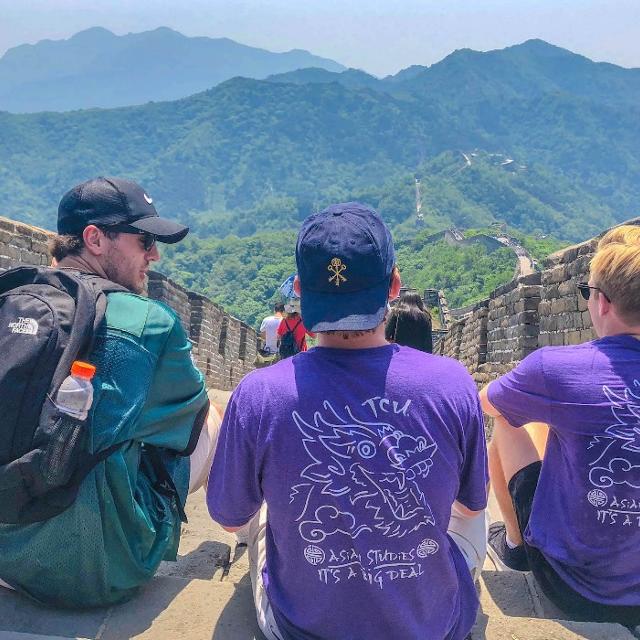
(510, 450)
(501, 491)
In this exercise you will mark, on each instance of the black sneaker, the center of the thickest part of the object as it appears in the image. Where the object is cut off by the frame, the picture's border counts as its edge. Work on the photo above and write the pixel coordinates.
(506, 558)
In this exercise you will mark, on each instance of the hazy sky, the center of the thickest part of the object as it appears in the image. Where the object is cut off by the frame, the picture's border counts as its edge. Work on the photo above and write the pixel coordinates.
(379, 36)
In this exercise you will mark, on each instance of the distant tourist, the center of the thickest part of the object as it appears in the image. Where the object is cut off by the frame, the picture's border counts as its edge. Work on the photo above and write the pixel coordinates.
(269, 329)
(574, 519)
(292, 334)
(140, 444)
(409, 323)
(361, 449)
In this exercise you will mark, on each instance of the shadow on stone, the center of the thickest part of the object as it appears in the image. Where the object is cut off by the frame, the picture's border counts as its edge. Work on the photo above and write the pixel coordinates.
(509, 593)
(479, 631)
(20, 614)
(201, 563)
(240, 552)
(237, 620)
(132, 618)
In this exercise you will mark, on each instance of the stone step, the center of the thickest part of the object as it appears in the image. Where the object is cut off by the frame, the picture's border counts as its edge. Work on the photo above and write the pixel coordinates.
(219, 605)
(169, 607)
(11, 635)
(498, 627)
(512, 608)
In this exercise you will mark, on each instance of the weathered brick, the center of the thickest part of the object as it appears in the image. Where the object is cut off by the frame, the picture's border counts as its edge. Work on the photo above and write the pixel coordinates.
(554, 275)
(202, 319)
(10, 251)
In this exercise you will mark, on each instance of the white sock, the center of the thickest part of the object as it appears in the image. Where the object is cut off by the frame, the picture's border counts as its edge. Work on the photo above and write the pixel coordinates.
(510, 544)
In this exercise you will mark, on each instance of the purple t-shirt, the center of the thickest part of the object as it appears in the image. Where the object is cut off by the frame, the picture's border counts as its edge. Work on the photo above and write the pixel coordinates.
(585, 517)
(359, 455)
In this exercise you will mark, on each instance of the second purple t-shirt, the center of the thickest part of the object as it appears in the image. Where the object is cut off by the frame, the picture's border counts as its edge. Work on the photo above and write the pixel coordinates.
(586, 511)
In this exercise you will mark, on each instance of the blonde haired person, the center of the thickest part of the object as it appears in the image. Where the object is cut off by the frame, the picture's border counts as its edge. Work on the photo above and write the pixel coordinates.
(564, 461)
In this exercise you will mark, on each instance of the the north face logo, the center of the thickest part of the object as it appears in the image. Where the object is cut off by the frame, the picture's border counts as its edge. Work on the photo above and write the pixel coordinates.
(24, 325)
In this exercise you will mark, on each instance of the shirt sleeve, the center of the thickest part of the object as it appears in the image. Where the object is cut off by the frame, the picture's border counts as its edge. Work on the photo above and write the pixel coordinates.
(263, 325)
(177, 403)
(474, 474)
(281, 328)
(521, 396)
(234, 492)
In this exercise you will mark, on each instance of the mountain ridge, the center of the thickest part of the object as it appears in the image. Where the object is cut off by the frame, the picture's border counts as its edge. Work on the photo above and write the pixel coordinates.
(96, 68)
(251, 154)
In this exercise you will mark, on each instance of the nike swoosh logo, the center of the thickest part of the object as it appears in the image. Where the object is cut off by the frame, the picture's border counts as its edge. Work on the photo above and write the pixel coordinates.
(148, 199)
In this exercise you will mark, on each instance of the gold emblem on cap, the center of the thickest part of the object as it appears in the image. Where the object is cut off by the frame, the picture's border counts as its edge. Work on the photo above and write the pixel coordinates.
(336, 267)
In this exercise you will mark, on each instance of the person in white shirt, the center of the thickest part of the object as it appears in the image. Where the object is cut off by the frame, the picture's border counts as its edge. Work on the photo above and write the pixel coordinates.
(269, 328)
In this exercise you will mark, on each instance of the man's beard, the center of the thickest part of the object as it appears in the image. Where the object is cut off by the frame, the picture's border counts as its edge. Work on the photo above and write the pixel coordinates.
(116, 273)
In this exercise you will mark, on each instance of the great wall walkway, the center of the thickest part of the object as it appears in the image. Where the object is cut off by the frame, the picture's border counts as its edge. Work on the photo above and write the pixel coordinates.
(206, 595)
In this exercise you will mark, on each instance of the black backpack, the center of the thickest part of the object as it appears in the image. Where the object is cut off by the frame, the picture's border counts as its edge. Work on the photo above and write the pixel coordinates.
(48, 318)
(288, 345)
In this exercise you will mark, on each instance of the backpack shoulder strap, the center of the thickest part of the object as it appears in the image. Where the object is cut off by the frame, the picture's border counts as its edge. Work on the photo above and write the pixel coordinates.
(100, 287)
(298, 344)
(289, 327)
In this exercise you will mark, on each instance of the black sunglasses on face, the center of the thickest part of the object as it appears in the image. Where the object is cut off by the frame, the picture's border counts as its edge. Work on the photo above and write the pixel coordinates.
(149, 239)
(585, 290)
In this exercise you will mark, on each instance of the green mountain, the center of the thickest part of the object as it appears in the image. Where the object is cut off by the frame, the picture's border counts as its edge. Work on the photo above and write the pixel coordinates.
(531, 136)
(96, 68)
(254, 155)
(353, 78)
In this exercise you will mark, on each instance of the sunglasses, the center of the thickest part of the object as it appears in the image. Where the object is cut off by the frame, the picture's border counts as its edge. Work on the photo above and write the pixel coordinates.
(148, 239)
(585, 291)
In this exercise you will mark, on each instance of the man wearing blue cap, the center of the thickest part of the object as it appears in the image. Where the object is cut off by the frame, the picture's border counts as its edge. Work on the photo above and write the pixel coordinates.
(366, 453)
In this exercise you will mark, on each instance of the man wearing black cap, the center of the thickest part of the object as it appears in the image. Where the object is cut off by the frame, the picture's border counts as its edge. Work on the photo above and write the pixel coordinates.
(148, 397)
(109, 226)
(368, 455)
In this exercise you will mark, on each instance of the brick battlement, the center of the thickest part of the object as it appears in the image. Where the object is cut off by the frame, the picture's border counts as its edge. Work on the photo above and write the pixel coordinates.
(532, 311)
(224, 347)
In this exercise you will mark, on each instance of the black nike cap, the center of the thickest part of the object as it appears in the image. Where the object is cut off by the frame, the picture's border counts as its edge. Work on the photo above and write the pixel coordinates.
(110, 201)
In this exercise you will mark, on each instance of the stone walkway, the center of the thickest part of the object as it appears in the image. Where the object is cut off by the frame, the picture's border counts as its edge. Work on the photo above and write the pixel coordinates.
(206, 595)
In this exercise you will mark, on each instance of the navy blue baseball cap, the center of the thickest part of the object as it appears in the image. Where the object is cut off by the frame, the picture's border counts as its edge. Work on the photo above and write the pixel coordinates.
(345, 258)
(111, 201)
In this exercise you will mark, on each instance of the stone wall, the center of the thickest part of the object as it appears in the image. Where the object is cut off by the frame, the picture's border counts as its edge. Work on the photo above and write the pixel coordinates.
(529, 312)
(564, 318)
(224, 348)
(512, 322)
(159, 287)
(22, 244)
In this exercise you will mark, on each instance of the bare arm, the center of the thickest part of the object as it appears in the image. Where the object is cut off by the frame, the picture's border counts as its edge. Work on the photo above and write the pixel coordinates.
(487, 407)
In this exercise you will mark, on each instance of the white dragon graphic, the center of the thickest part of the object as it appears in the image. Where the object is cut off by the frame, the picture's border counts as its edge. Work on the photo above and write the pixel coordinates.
(359, 463)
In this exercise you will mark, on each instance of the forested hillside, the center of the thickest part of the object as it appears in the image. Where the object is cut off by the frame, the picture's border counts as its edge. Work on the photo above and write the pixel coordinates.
(252, 155)
(533, 136)
(243, 274)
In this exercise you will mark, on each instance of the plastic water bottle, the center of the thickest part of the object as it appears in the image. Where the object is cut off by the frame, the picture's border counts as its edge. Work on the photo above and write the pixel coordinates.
(75, 395)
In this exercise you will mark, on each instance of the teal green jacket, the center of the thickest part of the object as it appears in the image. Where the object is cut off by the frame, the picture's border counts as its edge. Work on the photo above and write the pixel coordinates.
(112, 538)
